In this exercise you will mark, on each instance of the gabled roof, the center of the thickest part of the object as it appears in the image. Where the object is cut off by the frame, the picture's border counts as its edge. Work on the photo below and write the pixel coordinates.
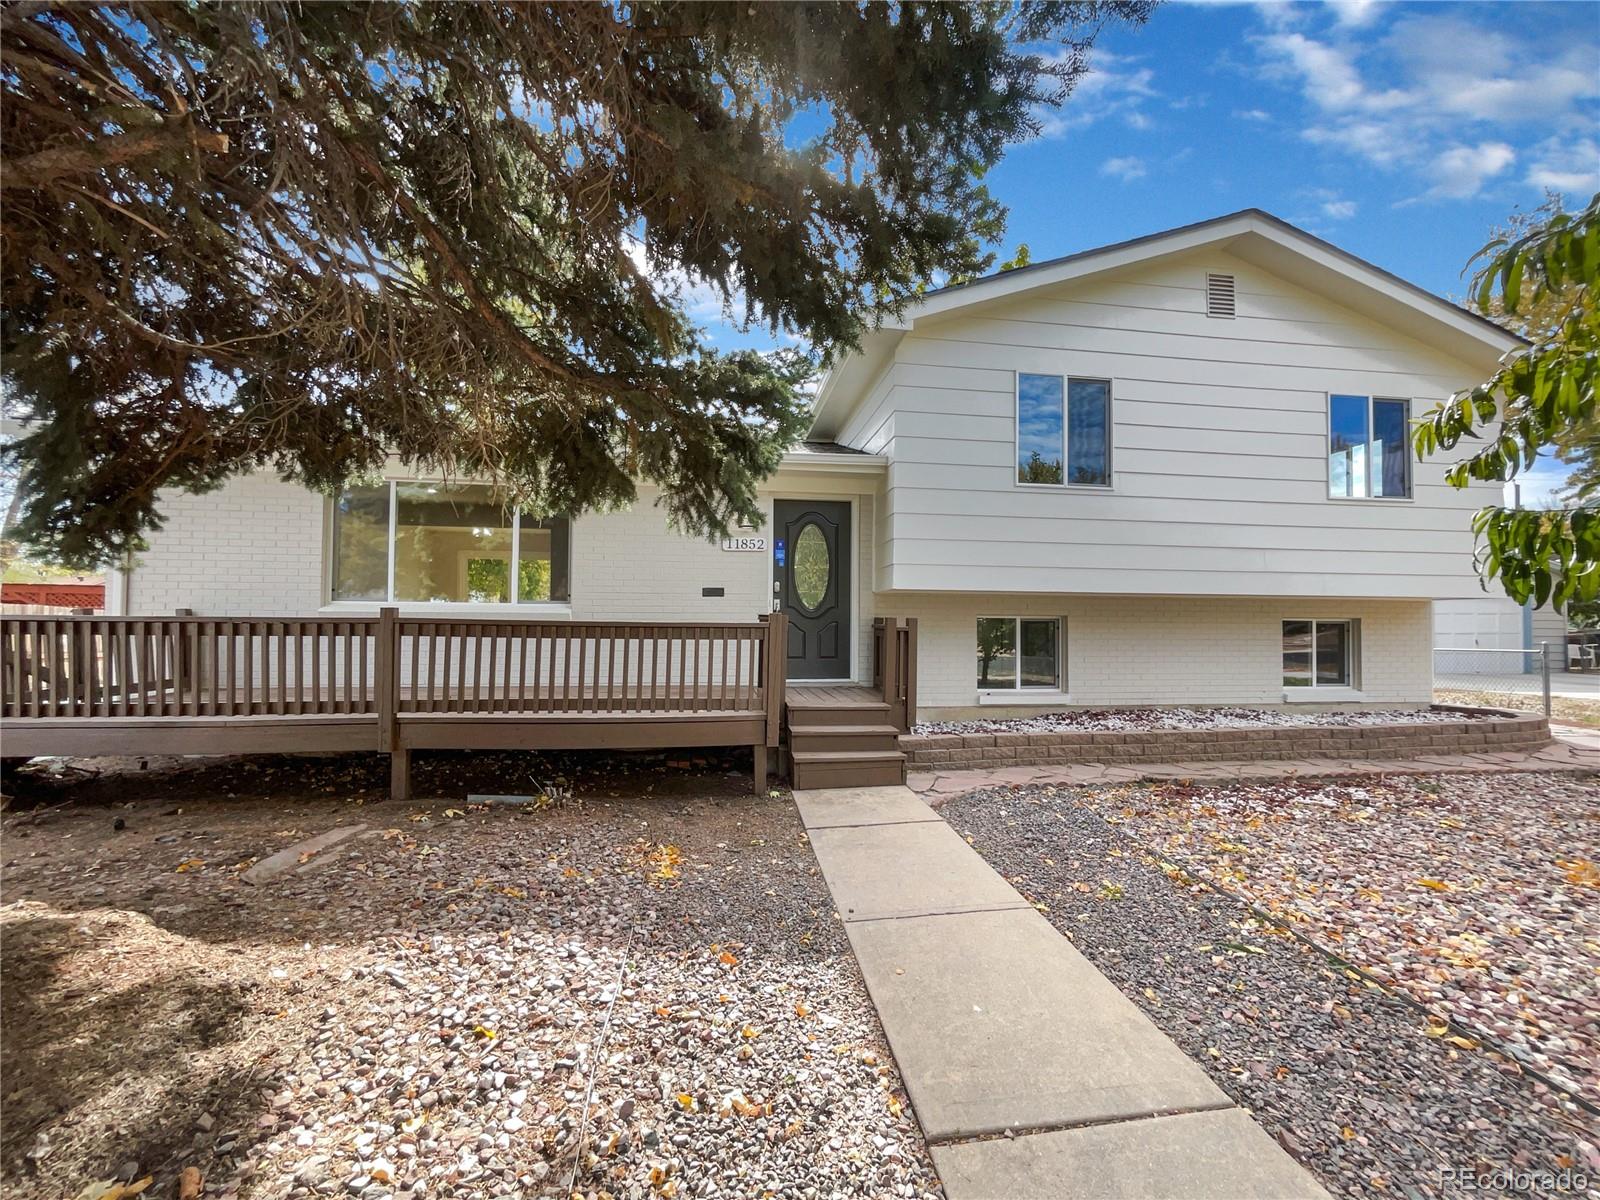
(1251, 234)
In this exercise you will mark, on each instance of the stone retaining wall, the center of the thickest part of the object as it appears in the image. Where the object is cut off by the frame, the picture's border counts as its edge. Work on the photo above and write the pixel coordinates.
(1503, 731)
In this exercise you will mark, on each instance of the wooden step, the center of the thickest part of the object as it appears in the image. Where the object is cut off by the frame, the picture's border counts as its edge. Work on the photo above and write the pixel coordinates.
(857, 712)
(846, 768)
(843, 737)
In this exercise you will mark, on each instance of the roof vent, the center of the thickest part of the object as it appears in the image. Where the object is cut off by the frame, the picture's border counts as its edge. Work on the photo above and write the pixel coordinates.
(1219, 295)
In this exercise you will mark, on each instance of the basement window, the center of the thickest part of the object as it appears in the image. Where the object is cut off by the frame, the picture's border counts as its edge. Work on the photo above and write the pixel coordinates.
(1019, 653)
(1318, 654)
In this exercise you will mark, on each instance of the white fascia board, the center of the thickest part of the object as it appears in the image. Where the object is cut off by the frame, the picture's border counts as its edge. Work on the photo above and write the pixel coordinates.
(836, 464)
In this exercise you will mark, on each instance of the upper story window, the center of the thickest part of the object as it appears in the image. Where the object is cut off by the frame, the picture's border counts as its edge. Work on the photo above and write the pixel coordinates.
(427, 543)
(1369, 453)
(1063, 430)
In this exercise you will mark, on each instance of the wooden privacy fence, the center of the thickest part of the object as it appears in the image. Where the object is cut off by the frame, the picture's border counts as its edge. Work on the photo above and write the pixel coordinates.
(203, 685)
(894, 667)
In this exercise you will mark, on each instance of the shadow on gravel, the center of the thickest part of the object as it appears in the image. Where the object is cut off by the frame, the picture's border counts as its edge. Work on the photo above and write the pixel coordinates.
(117, 1056)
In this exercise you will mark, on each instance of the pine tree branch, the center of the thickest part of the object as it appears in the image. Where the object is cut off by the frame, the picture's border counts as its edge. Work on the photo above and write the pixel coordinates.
(44, 167)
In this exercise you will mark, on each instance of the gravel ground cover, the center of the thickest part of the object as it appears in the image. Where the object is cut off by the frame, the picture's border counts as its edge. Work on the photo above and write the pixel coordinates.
(1354, 1081)
(1479, 896)
(422, 1010)
(1129, 719)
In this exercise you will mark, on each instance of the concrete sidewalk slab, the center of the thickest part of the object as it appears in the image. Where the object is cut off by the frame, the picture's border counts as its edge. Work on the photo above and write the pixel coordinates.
(997, 1023)
(906, 870)
(832, 808)
(1199, 1156)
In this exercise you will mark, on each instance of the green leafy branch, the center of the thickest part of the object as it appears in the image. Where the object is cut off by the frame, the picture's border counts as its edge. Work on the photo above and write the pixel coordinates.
(1539, 393)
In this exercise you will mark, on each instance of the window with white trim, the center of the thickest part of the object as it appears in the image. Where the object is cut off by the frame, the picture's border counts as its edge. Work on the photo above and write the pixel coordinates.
(433, 543)
(1318, 654)
(1369, 448)
(1063, 430)
(1019, 653)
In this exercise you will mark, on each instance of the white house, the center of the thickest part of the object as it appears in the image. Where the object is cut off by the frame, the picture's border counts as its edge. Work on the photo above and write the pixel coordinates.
(1171, 470)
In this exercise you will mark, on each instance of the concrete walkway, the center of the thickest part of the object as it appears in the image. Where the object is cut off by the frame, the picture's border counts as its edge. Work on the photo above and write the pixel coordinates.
(1574, 749)
(1000, 1027)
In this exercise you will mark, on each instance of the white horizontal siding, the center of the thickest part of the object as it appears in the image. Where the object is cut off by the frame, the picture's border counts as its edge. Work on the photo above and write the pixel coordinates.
(1219, 456)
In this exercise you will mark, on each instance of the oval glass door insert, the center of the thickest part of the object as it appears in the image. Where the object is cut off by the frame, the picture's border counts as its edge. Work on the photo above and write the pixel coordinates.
(812, 566)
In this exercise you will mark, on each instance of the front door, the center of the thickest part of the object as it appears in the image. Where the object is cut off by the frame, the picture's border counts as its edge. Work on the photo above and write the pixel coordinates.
(811, 576)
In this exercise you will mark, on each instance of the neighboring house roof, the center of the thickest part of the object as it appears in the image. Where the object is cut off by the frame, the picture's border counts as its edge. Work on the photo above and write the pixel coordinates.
(1252, 235)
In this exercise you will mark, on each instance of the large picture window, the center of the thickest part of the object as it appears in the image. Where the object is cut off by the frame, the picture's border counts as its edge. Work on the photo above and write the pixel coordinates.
(1317, 653)
(1368, 449)
(434, 543)
(1019, 653)
(1063, 430)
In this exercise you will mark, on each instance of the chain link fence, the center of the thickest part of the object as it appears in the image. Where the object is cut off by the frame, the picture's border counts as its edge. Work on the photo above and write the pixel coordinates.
(1535, 680)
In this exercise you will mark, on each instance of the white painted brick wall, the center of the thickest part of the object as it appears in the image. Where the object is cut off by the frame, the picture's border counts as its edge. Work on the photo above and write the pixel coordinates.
(251, 548)
(255, 547)
(1165, 650)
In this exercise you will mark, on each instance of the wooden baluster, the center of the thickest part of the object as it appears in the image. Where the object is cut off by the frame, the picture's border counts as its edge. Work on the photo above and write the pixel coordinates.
(366, 664)
(538, 662)
(522, 670)
(348, 637)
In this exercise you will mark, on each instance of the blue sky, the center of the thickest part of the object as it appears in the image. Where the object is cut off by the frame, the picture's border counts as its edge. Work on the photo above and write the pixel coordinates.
(1401, 132)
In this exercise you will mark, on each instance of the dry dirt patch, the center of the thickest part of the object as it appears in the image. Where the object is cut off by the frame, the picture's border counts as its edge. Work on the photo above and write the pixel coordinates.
(419, 1011)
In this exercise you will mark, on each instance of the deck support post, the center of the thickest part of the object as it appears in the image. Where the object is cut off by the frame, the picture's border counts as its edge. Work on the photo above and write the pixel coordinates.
(399, 774)
(760, 755)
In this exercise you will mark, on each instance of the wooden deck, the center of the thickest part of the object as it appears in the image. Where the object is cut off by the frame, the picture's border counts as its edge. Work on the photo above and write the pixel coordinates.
(243, 685)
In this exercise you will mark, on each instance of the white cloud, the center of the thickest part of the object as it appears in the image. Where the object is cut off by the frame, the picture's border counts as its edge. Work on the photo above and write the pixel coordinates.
(1126, 169)
(1329, 76)
(1114, 85)
(1331, 205)
(1437, 95)
(1460, 172)
(1252, 114)
(1573, 168)
(1379, 142)
(1353, 14)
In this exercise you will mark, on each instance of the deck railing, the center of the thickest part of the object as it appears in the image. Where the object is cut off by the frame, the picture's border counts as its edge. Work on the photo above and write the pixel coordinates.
(579, 666)
(87, 667)
(184, 666)
(190, 684)
(894, 667)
